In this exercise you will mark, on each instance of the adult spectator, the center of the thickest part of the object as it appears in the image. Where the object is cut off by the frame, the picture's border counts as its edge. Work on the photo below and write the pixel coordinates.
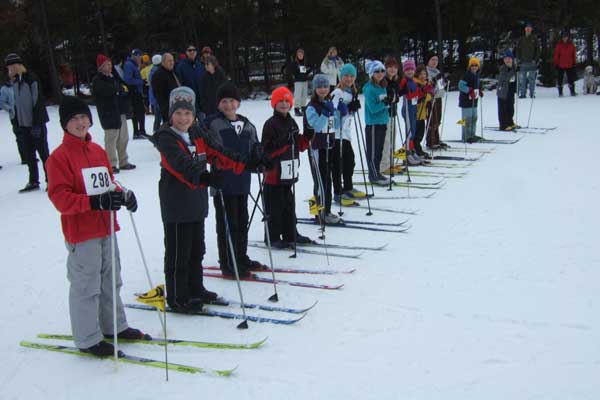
(206, 52)
(528, 57)
(564, 60)
(212, 79)
(156, 60)
(31, 117)
(300, 72)
(436, 78)
(7, 103)
(133, 79)
(331, 65)
(145, 69)
(107, 91)
(190, 72)
(163, 81)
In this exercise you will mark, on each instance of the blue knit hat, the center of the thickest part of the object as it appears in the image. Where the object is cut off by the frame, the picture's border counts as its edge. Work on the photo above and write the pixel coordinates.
(374, 65)
(347, 69)
(508, 53)
(320, 81)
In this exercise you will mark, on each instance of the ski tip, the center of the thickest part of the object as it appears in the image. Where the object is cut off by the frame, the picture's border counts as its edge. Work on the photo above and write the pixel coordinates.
(225, 372)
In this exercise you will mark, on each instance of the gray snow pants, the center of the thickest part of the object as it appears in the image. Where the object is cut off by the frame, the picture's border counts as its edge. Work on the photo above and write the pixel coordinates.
(89, 270)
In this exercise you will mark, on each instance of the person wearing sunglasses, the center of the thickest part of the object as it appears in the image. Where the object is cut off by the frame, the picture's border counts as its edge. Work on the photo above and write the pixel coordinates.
(190, 72)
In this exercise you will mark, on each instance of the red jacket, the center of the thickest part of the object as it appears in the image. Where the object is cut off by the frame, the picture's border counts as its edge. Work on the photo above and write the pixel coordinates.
(564, 55)
(67, 191)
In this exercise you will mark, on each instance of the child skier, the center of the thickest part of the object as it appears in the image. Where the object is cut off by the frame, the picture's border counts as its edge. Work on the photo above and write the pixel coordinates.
(439, 83)
(376, 118)
(237, 134)
(343, 154)
(185, 149)
(319, 122)
(507, 86)
(393, 89)
(300, 72)
(281, 139)
(470, 92)
(426, 93)
(81, 187)
(411, 93)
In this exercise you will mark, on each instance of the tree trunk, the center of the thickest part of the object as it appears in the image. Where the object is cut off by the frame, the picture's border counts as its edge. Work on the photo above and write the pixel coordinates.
(438, 20)
(55, 87)
(100, 15)
(232, 67)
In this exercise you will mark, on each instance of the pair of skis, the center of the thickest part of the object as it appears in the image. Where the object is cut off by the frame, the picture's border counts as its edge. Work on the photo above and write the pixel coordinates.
(362, 225)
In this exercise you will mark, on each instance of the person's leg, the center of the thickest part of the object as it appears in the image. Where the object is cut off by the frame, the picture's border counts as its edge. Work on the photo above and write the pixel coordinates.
(105, 314)
(122, 142)
(30, 149)
(271, 194)
(288, 213)
(84, 266)
(110, 145)
(42, 148)
(419, 136)
(243, 217)
(348, 165)
(297, 97)
(20, 141)
(222, 246)
(313, 161)
(522, 83)
(501, 118)
(531, 81)
(571, 79)
(178, 248)
(198, 249)
(559, 79)
(510, 110)
(370, 152)
(384, 165)
(325, 173)
(157, 119)
(336, 171)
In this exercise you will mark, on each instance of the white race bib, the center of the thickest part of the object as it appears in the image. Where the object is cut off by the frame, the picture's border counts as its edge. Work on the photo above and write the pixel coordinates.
(330, 123)
(476, 93)
(289, 169)
(96, 179)
(512, 79)
(414, 101)
(440, 85)
(302, 69)
(238, 126)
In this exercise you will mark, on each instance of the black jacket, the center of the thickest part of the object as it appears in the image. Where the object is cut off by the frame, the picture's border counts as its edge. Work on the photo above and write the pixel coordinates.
(163, 81)
(182, 197)
(106, 90)
(210, 84)
(297, 68)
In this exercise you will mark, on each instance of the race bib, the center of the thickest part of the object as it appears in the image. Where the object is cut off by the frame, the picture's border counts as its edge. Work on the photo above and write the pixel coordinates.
(96, 179)
(302, 69)
(414, 101)
(289, 169)
(512, 79)
(330, 123)
(192, 150)
(238, 126)
(440, 85)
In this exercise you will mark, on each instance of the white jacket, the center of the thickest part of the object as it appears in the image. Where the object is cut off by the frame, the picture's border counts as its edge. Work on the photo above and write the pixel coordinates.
(346, 121)
(331, 69)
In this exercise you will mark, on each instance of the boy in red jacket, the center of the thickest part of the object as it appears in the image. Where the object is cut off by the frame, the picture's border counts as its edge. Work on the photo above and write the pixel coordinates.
(81, 187)
(564, 60)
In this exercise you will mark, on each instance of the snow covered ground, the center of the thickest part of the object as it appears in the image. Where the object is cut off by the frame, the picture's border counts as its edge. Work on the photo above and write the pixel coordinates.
(491, 295)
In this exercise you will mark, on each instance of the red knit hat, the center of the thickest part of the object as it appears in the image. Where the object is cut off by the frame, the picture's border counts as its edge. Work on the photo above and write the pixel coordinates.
(100, 60)
(280, 94)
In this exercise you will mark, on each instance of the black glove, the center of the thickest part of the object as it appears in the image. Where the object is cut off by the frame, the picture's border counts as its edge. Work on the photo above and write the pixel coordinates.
(387, 100)
(354, 105)
(211, 179)
(131, 201)
(258, 158)
(107, 201)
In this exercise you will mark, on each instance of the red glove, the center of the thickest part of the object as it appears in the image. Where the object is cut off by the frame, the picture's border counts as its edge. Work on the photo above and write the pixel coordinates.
(480, 93)
(429, 89)
(472, 94)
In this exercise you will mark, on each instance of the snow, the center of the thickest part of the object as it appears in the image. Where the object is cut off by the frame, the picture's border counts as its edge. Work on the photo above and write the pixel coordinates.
(492, 293)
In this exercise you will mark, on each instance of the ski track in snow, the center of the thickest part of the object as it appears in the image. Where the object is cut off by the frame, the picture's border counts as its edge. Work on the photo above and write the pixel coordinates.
(491, 294)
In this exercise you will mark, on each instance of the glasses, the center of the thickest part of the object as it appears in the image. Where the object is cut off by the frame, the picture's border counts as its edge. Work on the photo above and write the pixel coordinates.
(380, 71)
(191, 50)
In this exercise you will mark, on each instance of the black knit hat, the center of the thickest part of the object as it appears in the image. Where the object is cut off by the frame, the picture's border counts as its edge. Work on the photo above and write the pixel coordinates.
(71, 106)
(12, 58)
(228, 91)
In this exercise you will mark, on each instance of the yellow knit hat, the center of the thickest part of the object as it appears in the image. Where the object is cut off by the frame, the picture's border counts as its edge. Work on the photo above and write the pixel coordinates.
(474, 61)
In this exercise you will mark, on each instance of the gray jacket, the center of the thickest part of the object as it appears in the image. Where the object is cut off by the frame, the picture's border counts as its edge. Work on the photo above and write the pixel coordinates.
(507, 84)
(7, 99)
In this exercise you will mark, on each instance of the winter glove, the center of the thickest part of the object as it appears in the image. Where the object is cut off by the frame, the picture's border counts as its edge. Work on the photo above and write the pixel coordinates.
(131, 201)
(354, 105)
(36, 131)
(210, 179)
(386, 100)
(472, 94)
(342, 108)
(329, 109)
(259, 159)
(107, 201)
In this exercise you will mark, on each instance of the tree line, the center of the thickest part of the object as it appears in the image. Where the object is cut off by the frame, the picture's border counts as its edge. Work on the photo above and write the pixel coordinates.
(254, 38)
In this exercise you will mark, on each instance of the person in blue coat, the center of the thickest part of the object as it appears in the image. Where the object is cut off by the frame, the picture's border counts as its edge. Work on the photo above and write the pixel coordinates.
(190, 72)
(135, 84)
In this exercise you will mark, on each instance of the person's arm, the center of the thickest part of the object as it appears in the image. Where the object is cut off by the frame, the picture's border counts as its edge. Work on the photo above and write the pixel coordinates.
(463, 86)
(130, 75)
(102, 88)
(372, 102)
(60, 188)
(316, 121)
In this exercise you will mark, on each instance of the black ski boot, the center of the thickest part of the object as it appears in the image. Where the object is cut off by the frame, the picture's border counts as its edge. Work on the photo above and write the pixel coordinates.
(560, 91)
(131, 334)
(102, 349)
(572, 89)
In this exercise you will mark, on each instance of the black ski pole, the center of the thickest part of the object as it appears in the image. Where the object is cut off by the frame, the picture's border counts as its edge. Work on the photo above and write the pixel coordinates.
(266, 216)
(362, 166)
(392, 134)
(254, 207)
(409, 132)
(362, 138)
(244, 323)
(293, 139)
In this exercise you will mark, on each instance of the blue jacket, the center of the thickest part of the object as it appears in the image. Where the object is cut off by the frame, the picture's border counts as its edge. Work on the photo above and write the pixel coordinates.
(376, 112)
(190, 74)
(317, 120)
(151, 98)
(132, 76)
(7, 99)
(222, 132)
